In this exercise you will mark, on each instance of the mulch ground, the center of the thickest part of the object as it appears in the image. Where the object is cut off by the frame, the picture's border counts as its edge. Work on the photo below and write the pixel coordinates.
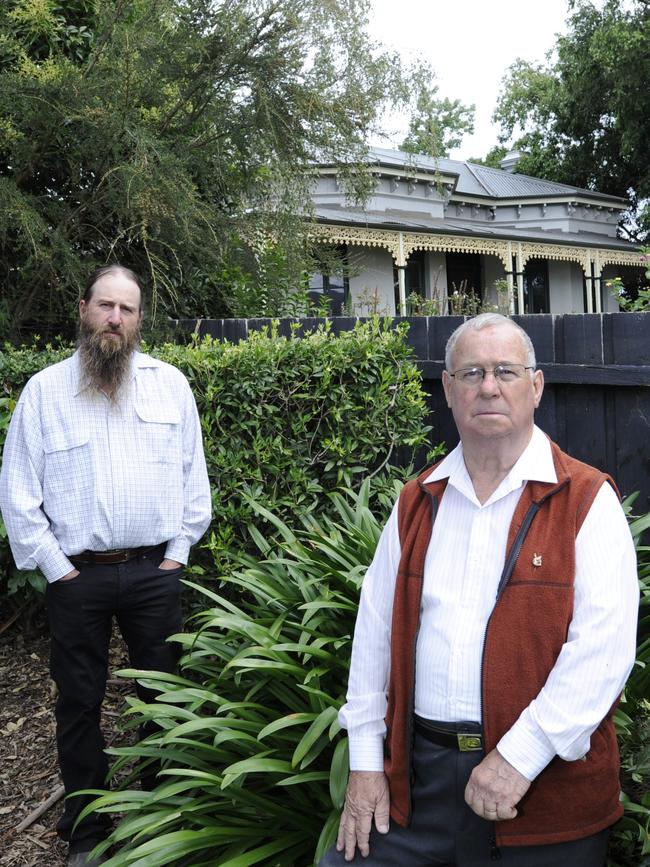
(29, 773)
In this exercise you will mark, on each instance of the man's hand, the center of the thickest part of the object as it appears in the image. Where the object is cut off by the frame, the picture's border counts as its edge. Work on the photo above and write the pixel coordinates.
(69, 575)
(367, 796)
(170, 564)
(495, 788)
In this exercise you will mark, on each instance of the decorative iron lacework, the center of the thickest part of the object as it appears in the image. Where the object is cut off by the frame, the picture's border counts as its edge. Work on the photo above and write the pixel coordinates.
(617, 257)
(389, 240)
(423, 241)
(402, 244)
(581, 255)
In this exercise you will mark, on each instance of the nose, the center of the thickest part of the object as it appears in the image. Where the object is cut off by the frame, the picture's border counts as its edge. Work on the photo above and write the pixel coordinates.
(115, 316)
(489, 383)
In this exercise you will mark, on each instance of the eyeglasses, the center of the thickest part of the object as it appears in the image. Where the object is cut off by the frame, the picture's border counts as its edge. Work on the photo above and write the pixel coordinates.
(505, 373)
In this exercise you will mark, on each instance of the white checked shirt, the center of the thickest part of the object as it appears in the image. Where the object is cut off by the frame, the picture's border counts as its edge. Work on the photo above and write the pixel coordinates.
(461, 575)
(80, 472)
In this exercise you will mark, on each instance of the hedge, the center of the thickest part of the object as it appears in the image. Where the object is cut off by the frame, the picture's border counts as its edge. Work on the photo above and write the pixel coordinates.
(285, 420)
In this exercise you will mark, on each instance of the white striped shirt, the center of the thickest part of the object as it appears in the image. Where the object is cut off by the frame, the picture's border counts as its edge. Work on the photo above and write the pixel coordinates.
(461, 574)
(80, 472)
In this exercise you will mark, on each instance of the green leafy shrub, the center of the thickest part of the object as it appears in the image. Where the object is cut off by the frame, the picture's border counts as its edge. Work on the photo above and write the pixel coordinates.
(630, 846)
(253, 763)
(252, 759)
(285, 420)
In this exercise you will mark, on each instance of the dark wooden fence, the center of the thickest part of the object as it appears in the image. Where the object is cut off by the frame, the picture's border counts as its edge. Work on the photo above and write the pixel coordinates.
(596, 402)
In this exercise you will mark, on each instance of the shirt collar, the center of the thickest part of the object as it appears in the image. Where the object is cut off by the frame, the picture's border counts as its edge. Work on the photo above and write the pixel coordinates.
(534, 464)
(138, 361)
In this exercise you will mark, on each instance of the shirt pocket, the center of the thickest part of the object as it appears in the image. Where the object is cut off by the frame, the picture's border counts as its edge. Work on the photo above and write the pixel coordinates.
(159, 432)
(68, 464)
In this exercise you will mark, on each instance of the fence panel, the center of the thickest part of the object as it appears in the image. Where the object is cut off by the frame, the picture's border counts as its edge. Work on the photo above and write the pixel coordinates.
(596, 402)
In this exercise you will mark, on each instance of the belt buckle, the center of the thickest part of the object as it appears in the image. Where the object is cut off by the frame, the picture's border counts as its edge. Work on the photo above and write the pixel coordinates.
(115, 555)
(468, 743)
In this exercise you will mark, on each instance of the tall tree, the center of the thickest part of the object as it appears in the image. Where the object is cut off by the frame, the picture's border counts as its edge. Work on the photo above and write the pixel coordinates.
(148, 131)
(437, 124)
(584, 117)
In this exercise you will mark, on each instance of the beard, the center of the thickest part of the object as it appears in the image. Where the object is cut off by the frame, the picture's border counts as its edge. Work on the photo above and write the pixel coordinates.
(106, 361)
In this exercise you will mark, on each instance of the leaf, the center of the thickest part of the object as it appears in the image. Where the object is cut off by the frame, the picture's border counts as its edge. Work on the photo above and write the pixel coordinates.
(339, 770)
(312, 734)
(285, 722)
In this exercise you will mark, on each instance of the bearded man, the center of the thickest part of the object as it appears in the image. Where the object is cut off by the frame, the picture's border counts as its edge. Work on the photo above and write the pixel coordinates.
(104, 489)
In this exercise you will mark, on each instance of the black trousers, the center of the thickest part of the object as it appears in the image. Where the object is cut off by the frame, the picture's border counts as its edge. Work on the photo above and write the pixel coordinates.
(146, 602)
(444, 832)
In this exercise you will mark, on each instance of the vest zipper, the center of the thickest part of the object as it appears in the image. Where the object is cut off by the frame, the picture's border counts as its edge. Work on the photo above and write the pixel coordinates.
(508, 569)
(495, 852)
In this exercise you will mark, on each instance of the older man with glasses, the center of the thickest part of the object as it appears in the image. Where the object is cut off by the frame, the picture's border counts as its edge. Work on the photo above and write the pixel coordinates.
(495, 632)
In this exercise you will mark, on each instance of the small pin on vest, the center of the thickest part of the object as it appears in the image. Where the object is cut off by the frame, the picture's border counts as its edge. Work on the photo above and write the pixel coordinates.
(537, 559)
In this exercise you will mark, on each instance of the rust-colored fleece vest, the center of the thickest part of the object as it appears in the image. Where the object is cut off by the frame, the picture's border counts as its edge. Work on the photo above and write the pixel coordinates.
(525, 634)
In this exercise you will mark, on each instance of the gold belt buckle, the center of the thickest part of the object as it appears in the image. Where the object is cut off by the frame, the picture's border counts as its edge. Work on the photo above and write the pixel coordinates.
(467, 742)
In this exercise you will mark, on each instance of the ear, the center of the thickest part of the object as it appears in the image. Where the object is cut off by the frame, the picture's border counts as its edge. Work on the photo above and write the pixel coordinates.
(446, 384)
(82, 308)
(538, 386)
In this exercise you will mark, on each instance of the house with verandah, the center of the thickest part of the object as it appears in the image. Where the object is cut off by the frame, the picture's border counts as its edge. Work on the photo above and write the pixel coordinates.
(432, 227)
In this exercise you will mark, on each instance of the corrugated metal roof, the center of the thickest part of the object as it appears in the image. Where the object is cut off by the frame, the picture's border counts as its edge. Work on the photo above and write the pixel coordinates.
(476, 180)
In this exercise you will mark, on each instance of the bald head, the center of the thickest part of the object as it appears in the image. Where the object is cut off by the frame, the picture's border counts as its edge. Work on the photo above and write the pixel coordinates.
(489, 320)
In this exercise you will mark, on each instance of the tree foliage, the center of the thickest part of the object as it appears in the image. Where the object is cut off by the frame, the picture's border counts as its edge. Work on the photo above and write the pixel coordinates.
(584, 117)
(437, 125)
(148, 131)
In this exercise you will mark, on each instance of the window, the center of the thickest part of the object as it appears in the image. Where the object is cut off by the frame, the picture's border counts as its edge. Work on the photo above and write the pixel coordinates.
(536, 297)
(413, 277)
(331, 281)
(464, 276)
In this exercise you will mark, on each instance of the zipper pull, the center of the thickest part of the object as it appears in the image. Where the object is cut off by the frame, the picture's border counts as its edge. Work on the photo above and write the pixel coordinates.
(495, 852)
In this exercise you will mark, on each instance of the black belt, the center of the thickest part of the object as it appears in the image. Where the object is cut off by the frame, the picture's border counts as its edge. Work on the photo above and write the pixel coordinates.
(117, 555)
(464, 741)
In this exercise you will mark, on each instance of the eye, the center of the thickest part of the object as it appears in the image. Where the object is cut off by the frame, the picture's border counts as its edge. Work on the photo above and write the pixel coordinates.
(472, 375)
(507, 372)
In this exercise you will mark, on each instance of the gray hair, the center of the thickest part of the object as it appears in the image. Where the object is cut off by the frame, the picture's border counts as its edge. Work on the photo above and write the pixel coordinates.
(489, 320)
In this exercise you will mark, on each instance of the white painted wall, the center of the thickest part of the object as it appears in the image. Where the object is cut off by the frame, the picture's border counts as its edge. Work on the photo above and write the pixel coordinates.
(435, 276)
(492, 270)
(565, 287)
(609, 302)
(372, 290)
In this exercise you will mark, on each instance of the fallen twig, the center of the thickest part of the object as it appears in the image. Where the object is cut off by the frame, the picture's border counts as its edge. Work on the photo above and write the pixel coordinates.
(56, 795)
(12, 619)
(38, 842)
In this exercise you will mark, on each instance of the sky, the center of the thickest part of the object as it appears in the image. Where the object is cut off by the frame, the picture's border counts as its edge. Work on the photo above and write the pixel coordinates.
(470, 44)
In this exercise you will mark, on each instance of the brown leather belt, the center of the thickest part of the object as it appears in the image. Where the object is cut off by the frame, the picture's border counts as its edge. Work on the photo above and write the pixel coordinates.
(117, 555)
(463, 741)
